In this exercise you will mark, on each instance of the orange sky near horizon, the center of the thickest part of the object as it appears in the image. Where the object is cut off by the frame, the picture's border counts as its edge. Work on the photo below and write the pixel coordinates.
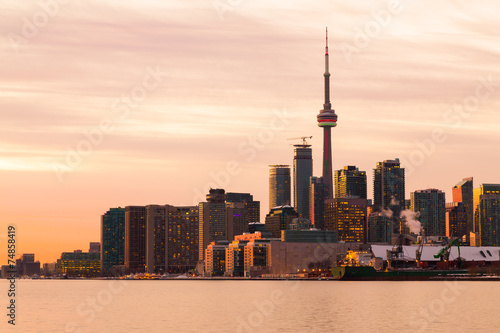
(110, 104)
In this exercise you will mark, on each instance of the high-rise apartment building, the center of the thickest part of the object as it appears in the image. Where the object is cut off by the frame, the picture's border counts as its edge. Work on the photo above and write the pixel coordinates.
(302, 172)
(135, 238)
(279, 185)
(172, 238)
(156, 240)
(212, 220)
(112, 239)
(389, 190)
(350, 183)
(430, 204)
(182, 248)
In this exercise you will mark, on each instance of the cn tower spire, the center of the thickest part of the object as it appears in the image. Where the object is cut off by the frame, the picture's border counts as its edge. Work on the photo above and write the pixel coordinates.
(327, 119)
(327, 105)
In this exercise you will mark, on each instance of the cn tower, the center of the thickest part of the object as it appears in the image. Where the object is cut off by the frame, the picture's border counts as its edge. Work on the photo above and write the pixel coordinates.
(327, 119)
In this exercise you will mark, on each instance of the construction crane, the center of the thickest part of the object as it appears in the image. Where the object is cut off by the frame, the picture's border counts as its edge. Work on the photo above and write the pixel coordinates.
(418, 254)
(303, 138)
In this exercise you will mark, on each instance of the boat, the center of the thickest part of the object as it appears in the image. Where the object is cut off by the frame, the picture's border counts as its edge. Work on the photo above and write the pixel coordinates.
(369, 273)
(358, 266)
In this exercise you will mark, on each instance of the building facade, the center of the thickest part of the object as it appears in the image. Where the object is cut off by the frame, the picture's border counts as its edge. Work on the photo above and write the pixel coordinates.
(212, 220)
(279, 219)
(318, 193)
(347, 217)
(456, 222)
(350, 183)
(487, 214)
(112, 238)
(463, 192)
(135, 239)
(85, 264)
(431, 206)
(389, 190)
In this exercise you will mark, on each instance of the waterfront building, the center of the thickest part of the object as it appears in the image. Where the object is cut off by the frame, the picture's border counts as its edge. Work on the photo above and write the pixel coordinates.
(182, 239)
(112, 239)
(257, 257)
(318, 193)
(279, 185)
(156, 240)
(135, 239)
(279, 219)
(235, 258)
(389, 190)
(347, 217)
(350, 183)
(215, 263)
(302, 172)
(430, 204)
(27, 266)
(172, 238)
(79, 263)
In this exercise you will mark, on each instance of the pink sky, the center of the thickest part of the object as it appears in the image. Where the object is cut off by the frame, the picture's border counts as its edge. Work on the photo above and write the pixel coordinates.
(223, 74)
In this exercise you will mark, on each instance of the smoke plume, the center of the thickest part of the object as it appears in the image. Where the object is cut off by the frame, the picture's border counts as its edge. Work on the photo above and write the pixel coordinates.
(411, 221)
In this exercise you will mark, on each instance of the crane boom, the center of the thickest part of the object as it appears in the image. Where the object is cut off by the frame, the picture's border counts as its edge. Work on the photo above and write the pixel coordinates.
(303, 138)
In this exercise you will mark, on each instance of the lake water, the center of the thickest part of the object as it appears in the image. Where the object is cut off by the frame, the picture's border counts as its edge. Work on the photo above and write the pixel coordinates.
(252, 306)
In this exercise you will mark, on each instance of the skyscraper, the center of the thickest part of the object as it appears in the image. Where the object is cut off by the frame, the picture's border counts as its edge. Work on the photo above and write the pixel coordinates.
(350, 182)
(327, 119)
(487, 214)
(279, 185)
(212, 220)
(302, 172)
(430, 203)
(112, 238)
(317, 196)
(463, 192)
(389, 190)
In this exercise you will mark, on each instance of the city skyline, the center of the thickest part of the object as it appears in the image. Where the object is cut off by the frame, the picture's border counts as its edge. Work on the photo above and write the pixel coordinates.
(223, 94)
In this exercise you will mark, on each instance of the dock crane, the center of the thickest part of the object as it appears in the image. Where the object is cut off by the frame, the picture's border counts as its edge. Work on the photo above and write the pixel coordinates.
(444, 254)
(303, 138)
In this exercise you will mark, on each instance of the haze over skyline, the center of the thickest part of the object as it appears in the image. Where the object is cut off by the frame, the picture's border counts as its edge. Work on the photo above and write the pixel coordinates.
(181, 92)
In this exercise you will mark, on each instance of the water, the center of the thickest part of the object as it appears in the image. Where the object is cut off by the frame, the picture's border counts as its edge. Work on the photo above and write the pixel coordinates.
(252, 306)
